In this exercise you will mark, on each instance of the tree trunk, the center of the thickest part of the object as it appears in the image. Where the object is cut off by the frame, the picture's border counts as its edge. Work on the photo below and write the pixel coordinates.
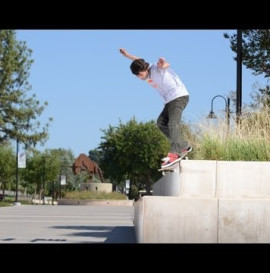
(148, 185)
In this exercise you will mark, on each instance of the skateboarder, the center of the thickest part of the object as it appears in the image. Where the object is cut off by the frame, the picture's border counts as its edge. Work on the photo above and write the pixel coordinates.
(175, 97)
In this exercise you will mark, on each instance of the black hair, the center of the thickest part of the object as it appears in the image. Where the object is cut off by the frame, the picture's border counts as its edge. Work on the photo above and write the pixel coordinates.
(138, 65)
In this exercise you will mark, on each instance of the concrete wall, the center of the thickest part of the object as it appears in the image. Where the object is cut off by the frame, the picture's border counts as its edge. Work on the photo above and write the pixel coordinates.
(244, 220)
(82, 202)
(207, 201)
(98, 187)
(195, 178)
(195, 221)
(167, 186)
(243, 179)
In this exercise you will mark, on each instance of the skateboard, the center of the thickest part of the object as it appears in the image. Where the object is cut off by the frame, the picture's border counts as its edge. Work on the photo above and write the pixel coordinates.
(176, 165)
(172, 168)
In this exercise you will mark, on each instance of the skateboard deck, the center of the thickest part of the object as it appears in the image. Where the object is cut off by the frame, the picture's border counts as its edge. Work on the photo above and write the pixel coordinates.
(172, 168)
(176, 165)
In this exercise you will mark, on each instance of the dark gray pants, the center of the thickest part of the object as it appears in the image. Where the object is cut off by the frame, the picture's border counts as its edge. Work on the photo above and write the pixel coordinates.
(169, 123)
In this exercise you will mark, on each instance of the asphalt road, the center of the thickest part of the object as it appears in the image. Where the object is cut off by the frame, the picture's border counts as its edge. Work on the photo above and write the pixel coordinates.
(39, 224)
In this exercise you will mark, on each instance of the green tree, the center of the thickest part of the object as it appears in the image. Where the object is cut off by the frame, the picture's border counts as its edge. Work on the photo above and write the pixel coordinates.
(255, 49)
(7, 166)
(32, 175)
(19, 111)
(133, 151)
(95, 155)
(42, 175)
(67, 158)
(261, 98)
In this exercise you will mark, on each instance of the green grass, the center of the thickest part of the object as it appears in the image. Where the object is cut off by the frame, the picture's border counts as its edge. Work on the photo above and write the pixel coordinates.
(5, 204)
(9, 201)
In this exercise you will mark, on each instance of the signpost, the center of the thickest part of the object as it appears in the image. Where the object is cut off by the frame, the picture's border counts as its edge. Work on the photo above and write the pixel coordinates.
(22, 159)
(127, 186)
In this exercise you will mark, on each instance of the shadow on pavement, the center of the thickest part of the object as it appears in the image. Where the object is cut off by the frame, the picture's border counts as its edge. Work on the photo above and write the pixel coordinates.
(118, 234)
(121, 235)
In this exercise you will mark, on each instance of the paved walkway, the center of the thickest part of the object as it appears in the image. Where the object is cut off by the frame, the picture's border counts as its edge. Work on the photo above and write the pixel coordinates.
(66, 224)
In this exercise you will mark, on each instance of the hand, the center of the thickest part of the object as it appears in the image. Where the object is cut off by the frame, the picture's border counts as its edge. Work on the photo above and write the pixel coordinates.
(162, 63)
(123, 51)
(126, 54)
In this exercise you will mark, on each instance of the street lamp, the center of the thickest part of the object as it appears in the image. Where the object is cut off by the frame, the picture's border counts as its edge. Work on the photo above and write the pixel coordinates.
(227, 109)
(62, 180)
(17, 172)
(239, 76)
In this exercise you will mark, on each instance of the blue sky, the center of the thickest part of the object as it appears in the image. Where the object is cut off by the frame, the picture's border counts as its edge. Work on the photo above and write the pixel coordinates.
(89, 86)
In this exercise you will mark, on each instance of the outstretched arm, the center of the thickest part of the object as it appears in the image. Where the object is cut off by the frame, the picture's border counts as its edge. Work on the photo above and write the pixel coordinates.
(162, 63)
(129, 56)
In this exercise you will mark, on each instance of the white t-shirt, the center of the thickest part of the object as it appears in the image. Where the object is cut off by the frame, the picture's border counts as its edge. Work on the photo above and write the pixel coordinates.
(166, 82)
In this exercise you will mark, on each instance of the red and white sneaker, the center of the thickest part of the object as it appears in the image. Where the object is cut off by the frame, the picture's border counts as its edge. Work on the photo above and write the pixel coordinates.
(170, 160)
(173, 158)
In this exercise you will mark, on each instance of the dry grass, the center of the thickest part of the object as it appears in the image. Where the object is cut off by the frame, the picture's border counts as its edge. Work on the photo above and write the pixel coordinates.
(249, 140)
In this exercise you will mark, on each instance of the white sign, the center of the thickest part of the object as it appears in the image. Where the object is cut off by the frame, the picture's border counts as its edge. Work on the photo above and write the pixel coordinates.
(127, 184)
(22, 160)
(63, 180)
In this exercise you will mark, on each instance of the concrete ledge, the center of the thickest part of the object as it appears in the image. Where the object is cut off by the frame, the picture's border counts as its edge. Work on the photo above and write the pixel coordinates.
(82, 202)
(193, 178)
(198, 178)
(160, 219)
(168, 185)
(244, 220)
(210, 178)
(97, 187)
(207, 202)
(243, 179)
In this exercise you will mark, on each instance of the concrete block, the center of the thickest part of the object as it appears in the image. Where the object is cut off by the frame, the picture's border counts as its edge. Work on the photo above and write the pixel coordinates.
(92, 202)
(139, 219)
(243, 179)
(168, 185)
(198, 178)
(244, 220)
(97, 187)
(160, 219)
(193, 178)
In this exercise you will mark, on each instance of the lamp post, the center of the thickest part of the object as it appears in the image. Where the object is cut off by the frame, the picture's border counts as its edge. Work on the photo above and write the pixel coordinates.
(20, 163)
(17, 171)
(227, 109)
(43, 177)
(62, 180)
(239, 76)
